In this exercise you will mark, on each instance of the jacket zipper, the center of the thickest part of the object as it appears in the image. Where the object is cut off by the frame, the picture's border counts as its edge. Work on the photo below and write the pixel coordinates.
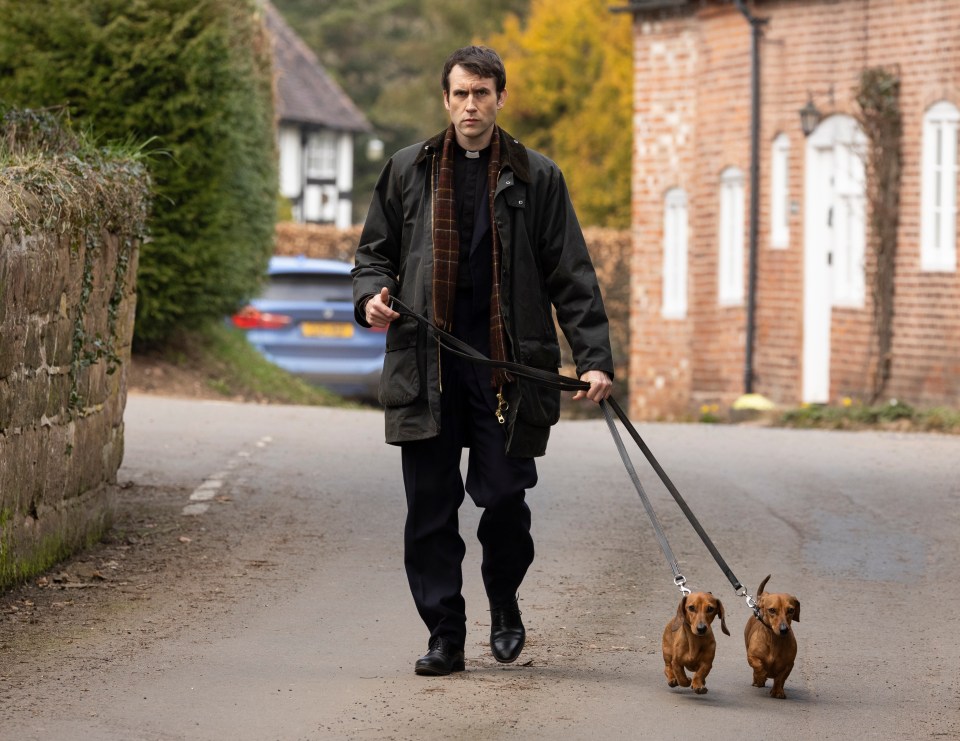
(433, 201)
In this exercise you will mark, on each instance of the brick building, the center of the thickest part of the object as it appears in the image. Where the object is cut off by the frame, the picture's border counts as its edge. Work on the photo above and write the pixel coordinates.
(815, 265)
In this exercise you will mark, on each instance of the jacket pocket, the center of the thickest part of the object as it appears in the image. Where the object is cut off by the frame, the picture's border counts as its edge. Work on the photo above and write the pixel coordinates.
(539, 405)
(400, 380)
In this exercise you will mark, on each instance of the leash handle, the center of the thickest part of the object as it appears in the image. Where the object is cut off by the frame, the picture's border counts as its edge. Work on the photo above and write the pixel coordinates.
(460, 348)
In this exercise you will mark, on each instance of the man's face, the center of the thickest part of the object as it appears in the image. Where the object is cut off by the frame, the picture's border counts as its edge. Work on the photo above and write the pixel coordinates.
(473, 104)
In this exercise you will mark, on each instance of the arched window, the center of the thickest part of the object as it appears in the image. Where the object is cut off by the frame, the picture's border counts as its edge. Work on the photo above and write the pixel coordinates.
(938, 221)
(674, 254)
(730, 258)
(780, 192)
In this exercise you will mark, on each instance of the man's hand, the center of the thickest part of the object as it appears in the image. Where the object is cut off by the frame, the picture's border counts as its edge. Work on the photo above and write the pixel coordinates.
(378, 312)
(600, 386)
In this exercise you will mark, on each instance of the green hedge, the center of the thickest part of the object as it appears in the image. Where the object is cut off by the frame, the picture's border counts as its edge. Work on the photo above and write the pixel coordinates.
(190, 81)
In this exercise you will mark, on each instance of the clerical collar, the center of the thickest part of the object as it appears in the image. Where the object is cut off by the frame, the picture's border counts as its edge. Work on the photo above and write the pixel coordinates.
(473, 154)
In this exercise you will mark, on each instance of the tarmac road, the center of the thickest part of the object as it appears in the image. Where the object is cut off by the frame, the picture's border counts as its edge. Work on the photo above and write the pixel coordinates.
(293, 621)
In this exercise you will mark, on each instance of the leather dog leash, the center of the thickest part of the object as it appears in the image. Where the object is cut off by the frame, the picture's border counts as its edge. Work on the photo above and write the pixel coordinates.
(684, 507)
(565, 383)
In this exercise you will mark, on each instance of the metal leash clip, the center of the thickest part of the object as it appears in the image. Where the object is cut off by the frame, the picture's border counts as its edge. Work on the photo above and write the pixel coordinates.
(680, 580)
(751, 602)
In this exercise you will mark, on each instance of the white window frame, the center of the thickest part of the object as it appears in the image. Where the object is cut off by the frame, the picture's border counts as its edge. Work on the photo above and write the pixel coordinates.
(849, 220)
(675, 246)
(730, 254)
(290, 145)
(938, 221)
(321, 155)
(780, 192)
(320, 203)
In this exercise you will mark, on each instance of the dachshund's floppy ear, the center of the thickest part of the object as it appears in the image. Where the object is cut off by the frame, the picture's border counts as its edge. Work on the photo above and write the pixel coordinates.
(681, 616)
(796, 609)
(723, 622)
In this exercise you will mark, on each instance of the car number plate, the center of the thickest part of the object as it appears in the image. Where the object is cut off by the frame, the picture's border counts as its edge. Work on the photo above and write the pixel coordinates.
(341, 330)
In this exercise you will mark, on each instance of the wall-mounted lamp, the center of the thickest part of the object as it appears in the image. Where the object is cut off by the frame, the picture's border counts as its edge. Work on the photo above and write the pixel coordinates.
(809, 117)
(375, 149)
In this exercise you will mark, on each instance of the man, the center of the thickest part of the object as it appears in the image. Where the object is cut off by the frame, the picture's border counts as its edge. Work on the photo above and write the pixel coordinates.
(477, 232)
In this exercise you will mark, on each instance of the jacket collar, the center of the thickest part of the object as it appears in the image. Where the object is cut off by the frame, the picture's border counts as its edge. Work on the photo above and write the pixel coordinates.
(513, 154)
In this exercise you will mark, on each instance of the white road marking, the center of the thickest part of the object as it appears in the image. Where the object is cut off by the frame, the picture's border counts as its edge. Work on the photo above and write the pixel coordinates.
(195, 509)
(207, 490)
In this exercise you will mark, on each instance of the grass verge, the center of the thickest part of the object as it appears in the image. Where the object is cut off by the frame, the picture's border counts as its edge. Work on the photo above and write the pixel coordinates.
(217, 360)
(894, 415)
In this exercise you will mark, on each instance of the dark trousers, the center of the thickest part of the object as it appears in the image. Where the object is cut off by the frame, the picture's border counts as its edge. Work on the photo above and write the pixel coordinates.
(434, 486)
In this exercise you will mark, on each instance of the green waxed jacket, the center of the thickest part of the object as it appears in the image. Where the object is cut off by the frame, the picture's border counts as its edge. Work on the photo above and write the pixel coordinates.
(545, 263)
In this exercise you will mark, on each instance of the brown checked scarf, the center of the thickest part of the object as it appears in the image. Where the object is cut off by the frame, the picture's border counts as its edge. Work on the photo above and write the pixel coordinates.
(446, 250)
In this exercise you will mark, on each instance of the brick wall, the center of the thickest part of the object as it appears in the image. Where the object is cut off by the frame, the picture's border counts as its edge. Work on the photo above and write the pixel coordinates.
(666, 59)
(692, 88)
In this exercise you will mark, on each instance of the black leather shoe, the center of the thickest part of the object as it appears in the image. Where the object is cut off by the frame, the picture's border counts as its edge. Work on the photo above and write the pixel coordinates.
(442, 659)
(507, 633)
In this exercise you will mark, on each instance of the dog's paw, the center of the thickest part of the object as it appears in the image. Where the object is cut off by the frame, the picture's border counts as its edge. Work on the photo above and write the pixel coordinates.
(779, 694)
(700, 690)
(758, 683)
(673, 683)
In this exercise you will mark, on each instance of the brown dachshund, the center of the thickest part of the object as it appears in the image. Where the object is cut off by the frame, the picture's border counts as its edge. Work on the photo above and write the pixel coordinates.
(688, 641)
(771, 645)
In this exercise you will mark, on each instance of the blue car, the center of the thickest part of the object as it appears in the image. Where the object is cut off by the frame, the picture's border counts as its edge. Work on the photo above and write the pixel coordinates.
(303, 322)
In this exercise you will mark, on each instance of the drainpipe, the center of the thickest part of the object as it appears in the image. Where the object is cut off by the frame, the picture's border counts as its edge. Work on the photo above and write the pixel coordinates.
(756, 28)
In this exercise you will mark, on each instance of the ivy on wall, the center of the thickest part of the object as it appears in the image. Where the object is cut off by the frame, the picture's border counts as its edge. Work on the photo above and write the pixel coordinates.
(878, 98)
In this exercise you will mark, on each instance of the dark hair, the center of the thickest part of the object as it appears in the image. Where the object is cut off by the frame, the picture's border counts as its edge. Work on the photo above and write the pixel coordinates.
(479, 60)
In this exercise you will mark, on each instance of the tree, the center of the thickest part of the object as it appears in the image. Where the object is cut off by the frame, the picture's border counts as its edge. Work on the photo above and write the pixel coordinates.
(569, 83)
(191, 81)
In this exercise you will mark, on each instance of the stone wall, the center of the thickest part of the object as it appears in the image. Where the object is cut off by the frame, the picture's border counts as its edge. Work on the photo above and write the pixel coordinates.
(66, 323)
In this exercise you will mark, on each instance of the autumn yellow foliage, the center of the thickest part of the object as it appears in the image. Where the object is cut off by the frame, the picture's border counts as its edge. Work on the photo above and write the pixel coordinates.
(569, 95)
